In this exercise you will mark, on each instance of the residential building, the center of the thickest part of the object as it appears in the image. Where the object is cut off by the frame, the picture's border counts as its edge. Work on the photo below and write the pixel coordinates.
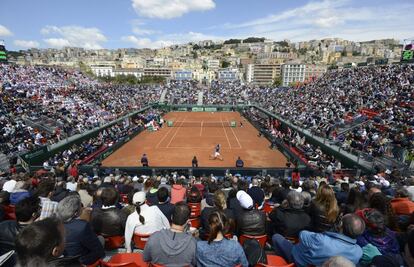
(213, 64)
(263, 74)
(103, 70)
(299, 73)
(228, 74)
(183, 75)
(163, 72)
(138, 73)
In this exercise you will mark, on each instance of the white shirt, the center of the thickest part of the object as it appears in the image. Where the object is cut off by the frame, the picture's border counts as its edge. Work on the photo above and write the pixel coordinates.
(71, 186)
(9, 186)
(155, 220)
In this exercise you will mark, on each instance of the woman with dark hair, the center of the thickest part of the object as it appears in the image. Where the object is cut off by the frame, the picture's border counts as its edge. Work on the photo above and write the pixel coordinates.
(356, 201)
(382, 203)
(324, 210)
(226, 252)
(220, 204)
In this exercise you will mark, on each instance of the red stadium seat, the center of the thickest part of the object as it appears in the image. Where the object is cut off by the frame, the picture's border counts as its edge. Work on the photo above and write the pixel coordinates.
(261, 238)
(140, 240)
(114, 242)
(195, 210)
(275, 261)
(195, 222)
(125, 260)
(9, 212)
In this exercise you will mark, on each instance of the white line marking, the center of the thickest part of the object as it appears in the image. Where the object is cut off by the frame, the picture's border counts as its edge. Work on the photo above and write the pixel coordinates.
(201, 128)
(237, 139)
(225, 132)
(162, 139)
(178, 129)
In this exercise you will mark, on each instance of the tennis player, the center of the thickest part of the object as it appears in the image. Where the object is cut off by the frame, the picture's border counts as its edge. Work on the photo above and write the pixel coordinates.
(216, 154)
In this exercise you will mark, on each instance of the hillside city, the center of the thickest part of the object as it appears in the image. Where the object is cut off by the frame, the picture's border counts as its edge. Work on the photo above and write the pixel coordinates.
(253, 60)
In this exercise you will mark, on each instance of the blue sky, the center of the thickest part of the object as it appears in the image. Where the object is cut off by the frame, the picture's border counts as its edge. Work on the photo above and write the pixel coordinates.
(158, 23)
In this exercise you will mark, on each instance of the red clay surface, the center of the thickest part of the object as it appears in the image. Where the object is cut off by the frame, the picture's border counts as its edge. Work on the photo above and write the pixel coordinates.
(176, 146)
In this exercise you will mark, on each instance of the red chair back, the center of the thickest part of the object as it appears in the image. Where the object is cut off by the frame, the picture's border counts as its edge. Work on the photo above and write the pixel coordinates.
(114, 242)
(260, 238)
(125, 260)
(10, 212)
(195, 222)
(140, 240)
(195, 210)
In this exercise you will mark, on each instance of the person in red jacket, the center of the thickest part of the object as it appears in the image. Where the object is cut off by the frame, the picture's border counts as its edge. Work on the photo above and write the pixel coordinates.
(401, 204)
(295, 175)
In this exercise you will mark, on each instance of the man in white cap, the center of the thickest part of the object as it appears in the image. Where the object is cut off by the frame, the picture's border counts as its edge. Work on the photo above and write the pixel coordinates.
(144, 220)
(250, 221)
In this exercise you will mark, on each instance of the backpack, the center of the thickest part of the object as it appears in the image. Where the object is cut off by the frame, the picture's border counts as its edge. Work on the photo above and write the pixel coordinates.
(254, 253)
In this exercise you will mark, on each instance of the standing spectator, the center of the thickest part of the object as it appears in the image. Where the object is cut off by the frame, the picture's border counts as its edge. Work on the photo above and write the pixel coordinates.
(316, 248)
(145, 220)
(79, 238)
(194, 162)
(174, 246)
(226, 252)
(178, 191)
(144, 160)
(164, 204)
(108, 220)
(295, 175)
(239, 163)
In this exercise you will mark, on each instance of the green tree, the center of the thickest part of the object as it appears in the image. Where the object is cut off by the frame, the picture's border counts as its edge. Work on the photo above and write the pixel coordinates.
(277, 82)
(225, 64)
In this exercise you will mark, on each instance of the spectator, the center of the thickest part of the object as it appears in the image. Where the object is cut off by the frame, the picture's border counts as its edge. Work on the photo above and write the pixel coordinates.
(164, 204)
(152, 193)
(316, 248)
(296, 175)
(145, 220)
(40, 243)
(86, 192)
(226, 252)
(194, 195)
(45, 191)
(355, 201)
(27, 211)
(239, 163)
(208, 199)
(338, 261)
(324, 210)
(71, 184)
(129, 208)
(402, 204)
(174, 246)
(289, 219)
(108, 220)
(80, 240)
(256, 194)
(382, 203)
(342, 195)
(220, 204)
(251, 221)
(19, 192)
(178, 191)
(376, 234)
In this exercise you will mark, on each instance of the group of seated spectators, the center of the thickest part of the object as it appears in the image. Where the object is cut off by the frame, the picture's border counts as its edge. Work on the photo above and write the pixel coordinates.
(182, 92)
(66, 219)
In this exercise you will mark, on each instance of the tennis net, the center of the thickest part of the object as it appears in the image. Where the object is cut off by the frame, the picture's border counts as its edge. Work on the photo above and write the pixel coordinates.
(201, 124)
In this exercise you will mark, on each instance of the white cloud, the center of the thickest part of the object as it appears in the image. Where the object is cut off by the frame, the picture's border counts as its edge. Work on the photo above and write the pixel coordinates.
(4, 31)
(26, 43)
(329, 18)
(168, 39)
(89, 38)
(167, 9)
(57, 42)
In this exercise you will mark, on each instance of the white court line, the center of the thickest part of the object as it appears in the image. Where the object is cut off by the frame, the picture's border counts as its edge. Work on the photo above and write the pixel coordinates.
(237, 139)
(225, 132)
(200, 147)
(201, 128)
(178, 129)
(162, 139)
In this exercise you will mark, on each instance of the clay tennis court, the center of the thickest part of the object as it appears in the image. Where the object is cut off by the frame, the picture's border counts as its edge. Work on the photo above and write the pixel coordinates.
(196, 134)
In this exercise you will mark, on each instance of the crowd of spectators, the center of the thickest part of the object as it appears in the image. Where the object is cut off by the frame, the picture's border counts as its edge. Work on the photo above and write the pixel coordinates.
(182, 92)
(366, 221)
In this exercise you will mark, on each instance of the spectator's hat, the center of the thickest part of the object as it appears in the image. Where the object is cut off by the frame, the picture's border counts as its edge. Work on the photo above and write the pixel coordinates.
(163, 180)
(245, 200)
(135, 179)
(107, 179)
(139, 198)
